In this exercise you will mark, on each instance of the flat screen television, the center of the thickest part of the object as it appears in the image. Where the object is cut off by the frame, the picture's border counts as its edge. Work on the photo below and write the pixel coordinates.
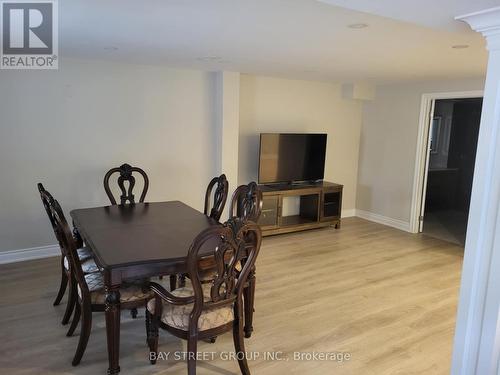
(286, 158)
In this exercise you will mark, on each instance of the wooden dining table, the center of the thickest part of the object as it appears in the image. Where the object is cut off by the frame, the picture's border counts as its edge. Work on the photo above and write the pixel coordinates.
(133, 241)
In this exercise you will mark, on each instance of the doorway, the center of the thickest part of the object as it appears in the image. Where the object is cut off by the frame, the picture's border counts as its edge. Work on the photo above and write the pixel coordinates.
(453, 130)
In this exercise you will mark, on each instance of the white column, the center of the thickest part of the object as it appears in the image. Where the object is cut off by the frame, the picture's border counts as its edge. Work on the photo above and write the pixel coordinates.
(477, 337)
(227, 86)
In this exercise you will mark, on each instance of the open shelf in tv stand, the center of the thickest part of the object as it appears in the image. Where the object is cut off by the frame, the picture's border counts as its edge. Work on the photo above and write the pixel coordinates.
(320, 206)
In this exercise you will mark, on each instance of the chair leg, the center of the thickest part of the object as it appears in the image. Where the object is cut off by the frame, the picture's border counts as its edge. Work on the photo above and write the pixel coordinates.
(173, 282)
(75, 321)
(72, 300)
(86, 326)
(64, 284)
(249, 297)
(133, 313)
(152, 336)
(239, 342)
(192, 347)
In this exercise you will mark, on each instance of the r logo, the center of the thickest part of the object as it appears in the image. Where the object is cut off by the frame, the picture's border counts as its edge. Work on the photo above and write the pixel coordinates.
(27, 28)
(29, 37)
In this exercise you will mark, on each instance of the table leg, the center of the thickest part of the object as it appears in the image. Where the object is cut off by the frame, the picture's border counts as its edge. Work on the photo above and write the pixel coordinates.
(113, 328)
(249, 296)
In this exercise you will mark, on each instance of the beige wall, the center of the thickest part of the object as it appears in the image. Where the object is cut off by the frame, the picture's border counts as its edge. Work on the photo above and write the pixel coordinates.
(65, 128)
(388, 145)
(281, 105)
(228, 119)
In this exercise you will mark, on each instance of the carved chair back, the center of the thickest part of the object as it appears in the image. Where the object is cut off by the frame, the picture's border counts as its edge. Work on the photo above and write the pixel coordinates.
(227, 246)
(48, 201)
(246, 202)
(126, 175)
(214, 208)
(69, 245)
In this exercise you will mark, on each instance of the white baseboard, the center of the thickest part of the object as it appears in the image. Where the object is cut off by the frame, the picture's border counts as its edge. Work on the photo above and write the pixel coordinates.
(349, 213)
(395, 223)
(20, 255)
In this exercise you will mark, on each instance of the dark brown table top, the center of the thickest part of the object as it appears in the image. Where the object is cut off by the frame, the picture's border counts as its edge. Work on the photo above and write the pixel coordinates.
(140, 233)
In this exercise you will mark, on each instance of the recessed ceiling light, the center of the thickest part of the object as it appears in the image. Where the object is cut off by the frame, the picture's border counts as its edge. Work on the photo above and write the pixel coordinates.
(460, 46)
(357, 26)
(111, 48)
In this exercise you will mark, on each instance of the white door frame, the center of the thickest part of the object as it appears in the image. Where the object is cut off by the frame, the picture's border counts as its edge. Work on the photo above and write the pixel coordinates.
(422, 152)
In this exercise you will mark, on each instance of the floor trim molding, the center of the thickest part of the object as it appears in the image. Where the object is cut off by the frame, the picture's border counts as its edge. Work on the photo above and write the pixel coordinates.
(349, 212)
(13, 256)
(395, 223)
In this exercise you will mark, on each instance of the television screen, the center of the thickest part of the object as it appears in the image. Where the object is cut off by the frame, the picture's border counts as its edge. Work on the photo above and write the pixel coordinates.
(291, 157)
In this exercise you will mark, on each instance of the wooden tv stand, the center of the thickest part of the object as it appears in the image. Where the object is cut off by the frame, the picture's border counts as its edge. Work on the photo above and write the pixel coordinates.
(320, 206)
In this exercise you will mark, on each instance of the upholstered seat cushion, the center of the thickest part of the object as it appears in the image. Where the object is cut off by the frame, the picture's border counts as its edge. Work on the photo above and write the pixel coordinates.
(129, 292)
(177, 316)
(84, 253)
(88, 265)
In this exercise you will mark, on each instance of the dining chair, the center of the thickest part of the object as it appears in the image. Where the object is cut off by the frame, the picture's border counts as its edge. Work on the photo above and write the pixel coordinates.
(246, 204)
(199, 310)
(126, 174)
(91, 295)
(215, 203)
(84, 255)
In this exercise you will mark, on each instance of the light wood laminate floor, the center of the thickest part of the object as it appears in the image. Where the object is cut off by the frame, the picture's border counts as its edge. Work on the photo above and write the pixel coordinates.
(386, 297)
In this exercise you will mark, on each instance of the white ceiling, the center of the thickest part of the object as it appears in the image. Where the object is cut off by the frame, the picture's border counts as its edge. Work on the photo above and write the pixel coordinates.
(432, 13)
(306, 39)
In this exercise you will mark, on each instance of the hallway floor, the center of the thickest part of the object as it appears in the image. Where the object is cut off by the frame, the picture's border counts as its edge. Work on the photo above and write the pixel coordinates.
(446, 225)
